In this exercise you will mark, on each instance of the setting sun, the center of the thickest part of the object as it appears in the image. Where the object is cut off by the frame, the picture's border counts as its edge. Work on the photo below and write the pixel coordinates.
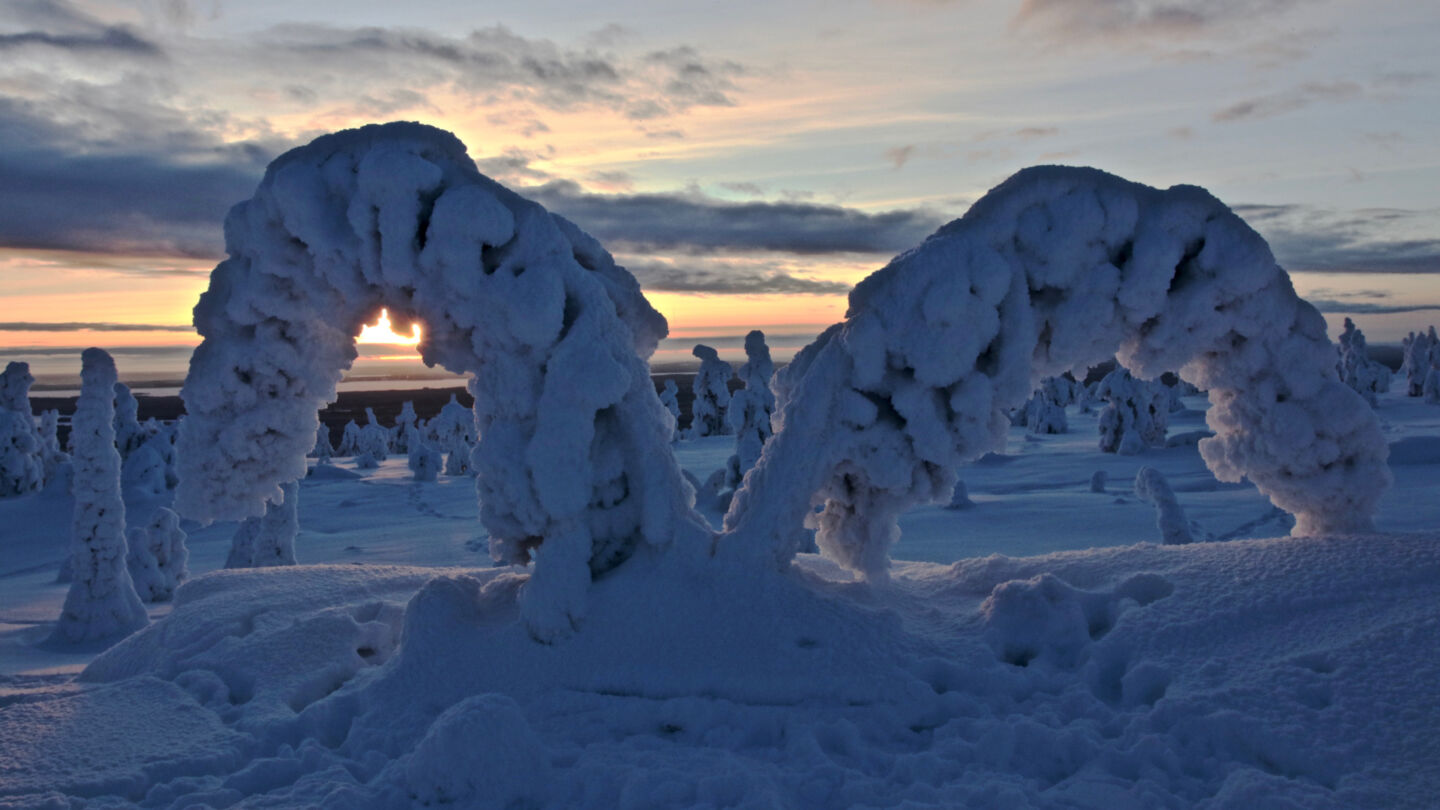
(380, 332)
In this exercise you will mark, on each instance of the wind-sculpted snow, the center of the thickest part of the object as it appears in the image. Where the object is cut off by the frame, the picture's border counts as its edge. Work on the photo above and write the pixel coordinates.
(573, 459)
(1054, 270)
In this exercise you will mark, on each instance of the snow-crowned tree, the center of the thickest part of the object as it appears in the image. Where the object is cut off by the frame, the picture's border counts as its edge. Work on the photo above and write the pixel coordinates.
(102, 602)
(750, 408)
(454, 420)
(406, 427)
(1152, 487)
(457, 455)
(50, 453)
(1136, 413)
(268, 540)
(349, 440)
(712, 394)
(323, 451)
(423, 459)
(1431, 389)
(1355, 367)
(22, 456)
(374, 438)
(1416, 365)
(960, 497)
(1045, 412)
(670, 398)
(143, 471)
(1097, 482)
(158, 557)
(129, 433)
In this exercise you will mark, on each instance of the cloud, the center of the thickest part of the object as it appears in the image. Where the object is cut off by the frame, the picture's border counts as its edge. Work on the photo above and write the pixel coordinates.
(91, 326)
(1373, 240)
(1119, 18)
(1367, 308)
(900, 155)
(727, 278)
(1288, 101)
(699, 224)
(51, 24)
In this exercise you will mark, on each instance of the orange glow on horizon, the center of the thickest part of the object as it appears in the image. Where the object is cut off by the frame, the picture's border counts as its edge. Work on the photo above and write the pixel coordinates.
(380, 332)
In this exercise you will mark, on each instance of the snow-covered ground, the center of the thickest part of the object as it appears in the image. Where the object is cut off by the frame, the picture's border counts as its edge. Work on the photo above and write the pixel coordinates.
(1043, 651)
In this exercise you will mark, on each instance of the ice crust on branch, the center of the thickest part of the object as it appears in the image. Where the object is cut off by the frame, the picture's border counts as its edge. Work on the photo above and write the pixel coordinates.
(1052, 271)
(101, 602)
(573, 461)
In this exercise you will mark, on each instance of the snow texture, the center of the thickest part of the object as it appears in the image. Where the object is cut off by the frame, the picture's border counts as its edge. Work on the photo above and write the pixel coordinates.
(751, 407)
(1052, 271)
(23, 461)
(1356, 369)
(268, 540)
(711, 385)
(573, 463)
(1151, 487)
(157, 558)
(102, 602)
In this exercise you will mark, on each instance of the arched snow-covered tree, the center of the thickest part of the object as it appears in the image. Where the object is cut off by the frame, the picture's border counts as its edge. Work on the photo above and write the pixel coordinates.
(1054, 270)
(553, 332)
(101, 602)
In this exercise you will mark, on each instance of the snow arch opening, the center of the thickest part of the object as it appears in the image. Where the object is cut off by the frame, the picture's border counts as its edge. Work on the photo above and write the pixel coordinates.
(574, 463)
(1056, 269)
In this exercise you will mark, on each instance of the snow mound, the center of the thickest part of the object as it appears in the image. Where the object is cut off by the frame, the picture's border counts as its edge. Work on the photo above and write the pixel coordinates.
(1052, 271)
(574, 447)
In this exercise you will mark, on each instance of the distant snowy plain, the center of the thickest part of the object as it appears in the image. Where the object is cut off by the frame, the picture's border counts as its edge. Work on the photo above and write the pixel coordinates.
(1039, 650)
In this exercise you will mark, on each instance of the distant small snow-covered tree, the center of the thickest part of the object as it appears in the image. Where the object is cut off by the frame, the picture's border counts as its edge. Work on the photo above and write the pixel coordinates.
(323, 451)
(157, 558)
(712, 394)
(751, 407)
(22, 456)
(670, 398)
(268, 540)
(423, 459)
(1152, 487)
(1355, 367)
(102, 602)
(349, 440)
(129, 433)
(1136, 415)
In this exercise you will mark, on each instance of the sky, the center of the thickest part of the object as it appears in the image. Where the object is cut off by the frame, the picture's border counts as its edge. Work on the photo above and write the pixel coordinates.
(747, 161)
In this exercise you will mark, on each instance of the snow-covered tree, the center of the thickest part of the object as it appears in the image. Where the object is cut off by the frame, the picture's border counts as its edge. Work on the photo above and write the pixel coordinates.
(711, 385)
(102, 602)
(1416, 365)
(1152, 487)
(553, 332)
(269, 539)
(670, 398)
(51, 455)
(323, 450)
(143, 471)
(129, 433)
(1136, 415)
(22, 456)
(1356, 369)
(960, 497)
(407, 425)
(1097, 482)
(157, 558)
(1055, 270)
(750, 408)
(457, 456)
(374, 438)
(349, 440)
(423, 459)
(1044, 413)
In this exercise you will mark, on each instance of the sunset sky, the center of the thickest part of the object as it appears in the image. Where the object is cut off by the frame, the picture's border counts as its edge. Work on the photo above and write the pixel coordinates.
(747, 161)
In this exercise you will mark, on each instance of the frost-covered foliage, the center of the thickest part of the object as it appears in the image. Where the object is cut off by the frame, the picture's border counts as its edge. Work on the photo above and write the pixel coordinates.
(1356, 369)
(101, 602)
(23, 461)
(157, 558)
(424, 460)
(711, 385)
(1152, 488)
(574, 467)
(670, 398)
(269, 539)
(1419, 358)
(1136, 415)
(373, 444)
(751, 407)
(1052, 271)
(143, 471)
(458, 456)
(323, 451)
